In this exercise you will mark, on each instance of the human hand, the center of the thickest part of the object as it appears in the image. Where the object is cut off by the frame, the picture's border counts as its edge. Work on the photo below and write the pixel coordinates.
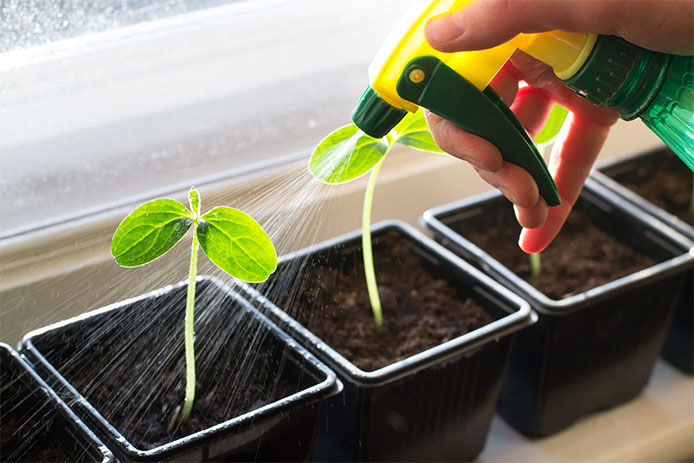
(662, 26)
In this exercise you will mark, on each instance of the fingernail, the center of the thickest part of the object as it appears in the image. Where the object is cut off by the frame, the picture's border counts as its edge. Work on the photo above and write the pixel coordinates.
(442, 28)
(521, 239)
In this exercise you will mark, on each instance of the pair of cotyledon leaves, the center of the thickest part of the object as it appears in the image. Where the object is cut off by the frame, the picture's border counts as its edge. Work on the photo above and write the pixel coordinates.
(344, 155)
(348, 153)
(233, 240)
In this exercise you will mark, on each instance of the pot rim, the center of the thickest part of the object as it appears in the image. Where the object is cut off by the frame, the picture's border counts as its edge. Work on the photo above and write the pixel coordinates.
(543, 303)
(464, 344)
(325, 388)
(57, 403)
(605, 180)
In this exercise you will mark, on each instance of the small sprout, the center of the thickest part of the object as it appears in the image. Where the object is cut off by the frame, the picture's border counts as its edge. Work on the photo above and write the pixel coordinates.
(535, 264)
(552, 127)
(230, 238)
(347, 154)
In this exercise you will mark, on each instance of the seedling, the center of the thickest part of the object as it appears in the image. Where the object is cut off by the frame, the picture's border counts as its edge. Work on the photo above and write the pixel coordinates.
(535, 264)
(347, 154)
(231, 239)
(551, 129)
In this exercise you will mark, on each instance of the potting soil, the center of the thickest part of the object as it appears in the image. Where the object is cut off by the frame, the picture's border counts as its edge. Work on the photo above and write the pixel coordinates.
(133, 372)
(667, 185)
(581, 257)
(420, 311)
(24, 427)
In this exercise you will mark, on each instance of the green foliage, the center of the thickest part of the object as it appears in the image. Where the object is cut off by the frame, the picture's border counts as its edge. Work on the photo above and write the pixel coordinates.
(553, 125)
(237, 244)
(535, 264)
(231, 239)
(413, 131)
(347, 154)
(150, 231)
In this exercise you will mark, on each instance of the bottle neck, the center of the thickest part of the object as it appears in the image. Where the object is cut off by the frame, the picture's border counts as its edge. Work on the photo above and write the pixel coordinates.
(565, 52)
(621, 76)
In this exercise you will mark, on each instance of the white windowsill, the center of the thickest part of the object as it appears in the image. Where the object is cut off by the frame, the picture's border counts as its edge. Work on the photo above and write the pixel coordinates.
(61, 271)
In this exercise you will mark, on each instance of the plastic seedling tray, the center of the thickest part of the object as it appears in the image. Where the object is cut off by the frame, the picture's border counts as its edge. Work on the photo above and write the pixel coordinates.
(592, 350)
(679, 343)
(282, 429)
(436, 405)
(49, 429)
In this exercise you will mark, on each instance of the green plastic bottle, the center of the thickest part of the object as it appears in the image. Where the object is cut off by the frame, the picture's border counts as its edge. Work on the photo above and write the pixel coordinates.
(657, 87)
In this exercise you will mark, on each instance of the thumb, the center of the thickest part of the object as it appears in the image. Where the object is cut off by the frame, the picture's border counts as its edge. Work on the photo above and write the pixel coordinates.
(486, 23)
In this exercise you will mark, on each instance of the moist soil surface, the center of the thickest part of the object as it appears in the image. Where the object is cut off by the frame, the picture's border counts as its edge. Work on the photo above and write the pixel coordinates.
(667, 185)
(420, 311)
(137, 382)
(581, 257)
(24, 426)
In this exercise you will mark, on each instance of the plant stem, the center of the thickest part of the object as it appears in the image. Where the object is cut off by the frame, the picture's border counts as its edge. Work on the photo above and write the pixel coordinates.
(367, 249)
(535, 264)
(189, 330)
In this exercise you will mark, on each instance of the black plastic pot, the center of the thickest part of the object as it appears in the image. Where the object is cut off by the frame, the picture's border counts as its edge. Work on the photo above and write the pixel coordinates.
(227, 327)
(592, 350)
(679, 343)
(433, 406)
(48, 431)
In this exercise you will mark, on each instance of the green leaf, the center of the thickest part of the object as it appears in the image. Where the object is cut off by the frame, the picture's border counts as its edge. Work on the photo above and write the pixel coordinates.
(194, 200)
(413, 131)
(346, 154)
(553, 125)
(237, 244)
(149, 231)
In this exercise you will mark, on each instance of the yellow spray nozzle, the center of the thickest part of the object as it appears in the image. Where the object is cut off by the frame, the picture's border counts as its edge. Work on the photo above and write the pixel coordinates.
(565, 52)
(407, 73)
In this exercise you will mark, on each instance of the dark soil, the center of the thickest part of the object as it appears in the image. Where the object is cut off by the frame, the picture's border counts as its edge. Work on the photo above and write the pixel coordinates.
(420, 311)
(136, 379)
(25, 426)
(667, 185)
(581, 257)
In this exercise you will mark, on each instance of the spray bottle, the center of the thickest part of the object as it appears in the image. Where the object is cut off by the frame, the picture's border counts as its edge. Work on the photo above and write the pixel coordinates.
(408, 73)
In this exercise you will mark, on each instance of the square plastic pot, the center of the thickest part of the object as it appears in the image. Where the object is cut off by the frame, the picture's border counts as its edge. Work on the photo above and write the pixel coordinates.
(433, 406)
(281, 430)
(679, 343)
(49, 430)
(595, 349)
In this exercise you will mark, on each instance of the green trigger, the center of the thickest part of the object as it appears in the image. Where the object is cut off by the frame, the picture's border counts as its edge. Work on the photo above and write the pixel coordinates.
(448, 94)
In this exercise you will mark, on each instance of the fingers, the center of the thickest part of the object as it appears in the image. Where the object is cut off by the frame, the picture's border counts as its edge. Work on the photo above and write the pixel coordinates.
(532, 217)
(514, 182)
(661, 26)
(503, 19)
(505, 83)
(570, 164)
(532, 107)
(452, 139)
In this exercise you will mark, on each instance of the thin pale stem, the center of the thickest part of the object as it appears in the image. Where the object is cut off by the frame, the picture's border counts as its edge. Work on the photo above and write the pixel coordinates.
(367, 250)
(189, 330)
(535, 264)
